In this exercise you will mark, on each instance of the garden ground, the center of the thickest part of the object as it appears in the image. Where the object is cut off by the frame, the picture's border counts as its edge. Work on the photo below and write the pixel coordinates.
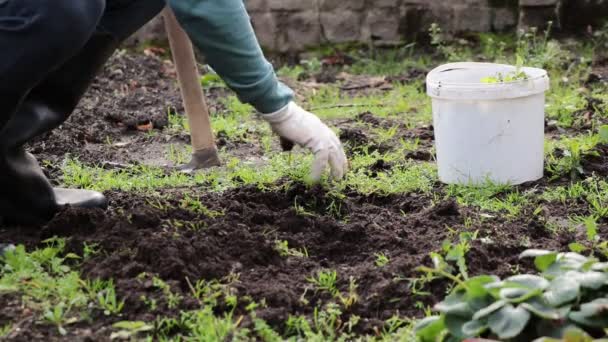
(249, 251)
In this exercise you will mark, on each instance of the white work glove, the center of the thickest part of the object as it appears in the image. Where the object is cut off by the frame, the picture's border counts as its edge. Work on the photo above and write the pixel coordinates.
(305, 129)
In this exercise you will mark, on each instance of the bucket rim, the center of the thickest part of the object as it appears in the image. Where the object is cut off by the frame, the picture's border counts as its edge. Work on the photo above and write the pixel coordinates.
(537, 83)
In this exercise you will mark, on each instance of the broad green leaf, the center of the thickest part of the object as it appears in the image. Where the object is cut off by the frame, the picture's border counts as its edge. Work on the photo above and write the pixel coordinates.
(489, 310)
(595, 307)
(428, 329)
(600, 266)
(474, 328)
(455, 325)
(497, 285)
(454, 304)
(561, 291)
(577, 247)
(518, 294)
(572, 335)
(544, 311)
(566, 262)
(529, 281)
(591, 280)
(594, 322)
(509, 321)
(572, 258)
(475, 285)
(542, 258)
(554, 329)
(479, 303)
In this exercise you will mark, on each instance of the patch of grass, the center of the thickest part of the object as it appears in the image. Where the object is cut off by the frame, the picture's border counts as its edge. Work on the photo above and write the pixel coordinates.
(326, 325)
(179, 154)
(390, 62)
(452, 51)
(565, 156)
(212, 80)
(196, 206)
(147, 178)
(106, 296)
(78, 175)
(236, 121)
(5, 330)
(178, 123)
(410, 177)
(564, 101)
(406, 102)
(593, 190)
(490, 197)
(51, 288)
(205, 325)
(563, 194)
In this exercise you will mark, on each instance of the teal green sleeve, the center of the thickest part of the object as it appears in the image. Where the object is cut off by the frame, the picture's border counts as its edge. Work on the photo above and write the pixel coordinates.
(222, 31)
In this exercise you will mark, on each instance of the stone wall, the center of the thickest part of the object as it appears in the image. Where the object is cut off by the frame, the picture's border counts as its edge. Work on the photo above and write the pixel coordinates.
(293, 25)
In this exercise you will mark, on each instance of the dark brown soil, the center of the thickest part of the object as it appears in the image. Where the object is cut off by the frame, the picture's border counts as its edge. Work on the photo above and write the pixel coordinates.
(136, 237)
(132, 91)
(139, 240)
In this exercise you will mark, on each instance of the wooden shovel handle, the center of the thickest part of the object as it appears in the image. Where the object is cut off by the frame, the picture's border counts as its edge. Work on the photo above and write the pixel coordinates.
(190, 86)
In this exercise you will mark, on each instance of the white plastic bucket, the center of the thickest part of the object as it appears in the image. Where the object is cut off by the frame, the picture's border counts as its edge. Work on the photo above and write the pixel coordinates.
(488, 132)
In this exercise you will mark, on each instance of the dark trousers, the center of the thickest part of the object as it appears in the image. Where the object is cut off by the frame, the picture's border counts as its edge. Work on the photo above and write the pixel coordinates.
(50, 51)
(39, 38)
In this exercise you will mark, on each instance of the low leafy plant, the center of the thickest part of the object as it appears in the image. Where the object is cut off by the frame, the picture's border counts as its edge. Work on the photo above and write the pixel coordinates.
(382, 259)
(593, 238)
(568, 298)
(129, 329)
(282, 247)
(109, 302)
(573, 152)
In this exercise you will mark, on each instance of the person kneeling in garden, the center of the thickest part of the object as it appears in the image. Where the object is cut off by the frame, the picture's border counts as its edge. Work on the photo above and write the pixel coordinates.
(52, 49)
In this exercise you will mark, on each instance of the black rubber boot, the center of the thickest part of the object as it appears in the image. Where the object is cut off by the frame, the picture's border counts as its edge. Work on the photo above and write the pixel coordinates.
(36, 37)
(31, 198)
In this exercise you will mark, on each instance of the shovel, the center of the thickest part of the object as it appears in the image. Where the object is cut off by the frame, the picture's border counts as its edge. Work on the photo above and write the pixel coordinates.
(203, 143)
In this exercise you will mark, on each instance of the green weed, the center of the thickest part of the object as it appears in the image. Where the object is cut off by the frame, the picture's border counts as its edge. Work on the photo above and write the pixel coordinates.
(282, 246)
(325, 280)
(196, 206)
(490, 197)
(381, 259)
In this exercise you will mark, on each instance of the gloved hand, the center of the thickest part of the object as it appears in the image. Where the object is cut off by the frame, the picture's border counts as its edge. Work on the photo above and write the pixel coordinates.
(306, 129)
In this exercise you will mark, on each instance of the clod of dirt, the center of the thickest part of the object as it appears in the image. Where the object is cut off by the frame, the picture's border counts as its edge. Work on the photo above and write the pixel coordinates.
(369, 118)
(420, 155)
(411, 75)
(326, 75)
(597, 164)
